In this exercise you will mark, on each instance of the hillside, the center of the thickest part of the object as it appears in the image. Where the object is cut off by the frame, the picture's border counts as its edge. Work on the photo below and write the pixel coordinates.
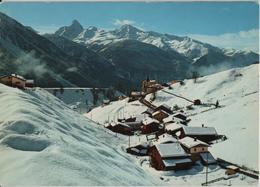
(44, 142)
(237, 91)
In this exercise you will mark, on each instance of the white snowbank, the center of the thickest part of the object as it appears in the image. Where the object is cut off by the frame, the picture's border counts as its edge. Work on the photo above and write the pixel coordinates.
(44, 142)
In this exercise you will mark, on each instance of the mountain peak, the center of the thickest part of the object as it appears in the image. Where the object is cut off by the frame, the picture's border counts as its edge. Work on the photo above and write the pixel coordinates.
(71, 31)
(128, 31)
(75, 23)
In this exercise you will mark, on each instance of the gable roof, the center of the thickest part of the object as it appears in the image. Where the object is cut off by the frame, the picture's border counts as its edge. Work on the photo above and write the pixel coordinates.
(191, 142)
(200, 131)
(166, 138)
(149, 120)
(14, 75)
(171, 150)
(173, 126)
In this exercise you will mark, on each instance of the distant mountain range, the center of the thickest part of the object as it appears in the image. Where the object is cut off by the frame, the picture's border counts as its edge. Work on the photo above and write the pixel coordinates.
(97, 58)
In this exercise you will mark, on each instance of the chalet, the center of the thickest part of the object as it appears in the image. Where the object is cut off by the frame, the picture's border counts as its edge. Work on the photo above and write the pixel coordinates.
(150, 125)
(205, 134)
(121, 128)
(194, 147)
(29, 83)
(136, 95)
(134, 125)
(13, 80)
(173, 128)
(129, 119)
(160, 115)
(169, 156)
(165, 108)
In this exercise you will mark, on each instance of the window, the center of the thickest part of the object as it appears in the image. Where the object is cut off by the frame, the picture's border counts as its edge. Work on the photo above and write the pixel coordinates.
(202, 148)
(194, 149)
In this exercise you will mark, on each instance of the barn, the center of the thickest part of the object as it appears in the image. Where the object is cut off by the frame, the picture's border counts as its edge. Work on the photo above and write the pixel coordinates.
(205, 134)
(169, 156)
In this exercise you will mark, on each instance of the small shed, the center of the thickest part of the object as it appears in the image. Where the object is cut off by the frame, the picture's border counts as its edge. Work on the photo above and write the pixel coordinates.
(139, 150)
(160, 115)
(170, 156)
(231, 170)
(180, 115)
(150, 125)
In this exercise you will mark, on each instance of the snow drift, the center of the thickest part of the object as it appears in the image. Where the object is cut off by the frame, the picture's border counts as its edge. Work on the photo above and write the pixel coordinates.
(44, 142)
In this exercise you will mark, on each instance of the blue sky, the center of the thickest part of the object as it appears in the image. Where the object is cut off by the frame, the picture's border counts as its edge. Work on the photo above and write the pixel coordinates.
(204, 21)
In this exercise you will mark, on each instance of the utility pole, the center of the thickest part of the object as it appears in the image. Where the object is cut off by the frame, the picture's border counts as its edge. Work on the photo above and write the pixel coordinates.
(129, 141)
(207, 169)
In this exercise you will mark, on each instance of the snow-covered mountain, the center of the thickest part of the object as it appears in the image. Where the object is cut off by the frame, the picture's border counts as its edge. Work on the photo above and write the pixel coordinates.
(188, 47)
(237, 91)
(43, 142)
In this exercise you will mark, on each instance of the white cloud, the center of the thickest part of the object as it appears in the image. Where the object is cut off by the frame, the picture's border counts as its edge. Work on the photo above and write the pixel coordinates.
(46, 29)
(243, 40)
(118, 22)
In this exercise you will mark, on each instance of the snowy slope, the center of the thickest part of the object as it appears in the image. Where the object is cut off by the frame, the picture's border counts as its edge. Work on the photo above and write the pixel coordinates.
(44, 142)
(237, 92)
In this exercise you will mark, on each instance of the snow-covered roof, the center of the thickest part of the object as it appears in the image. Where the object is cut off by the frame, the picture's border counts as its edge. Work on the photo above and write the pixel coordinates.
(173, 126)
(191, 142)
(164, 138)
(159, 111)
(173, 162)
(149, 120)
(170, 150)
(199, 130)
(168, 119)
(207, 157)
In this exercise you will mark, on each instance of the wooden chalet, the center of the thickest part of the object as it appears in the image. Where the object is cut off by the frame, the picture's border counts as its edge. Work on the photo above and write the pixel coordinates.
(121, 128)
(194, 147)
(169, 156)
(165, 138)
(13, 80)
(205, 134)
(150, 125)
(173, 128)
(165, 108)
(160, 115)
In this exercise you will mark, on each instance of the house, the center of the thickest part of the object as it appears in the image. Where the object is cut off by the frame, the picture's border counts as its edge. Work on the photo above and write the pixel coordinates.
(169, 156)
(169, 119)
(121, 128)
(173, 128)
(160, 115)
(134, 95)
(149, 112)
(129, 119)
(13, 80)
(194, 147)
(29, 83)
(150, 125)
(165, 108)
(134, 125)
(205, 134)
